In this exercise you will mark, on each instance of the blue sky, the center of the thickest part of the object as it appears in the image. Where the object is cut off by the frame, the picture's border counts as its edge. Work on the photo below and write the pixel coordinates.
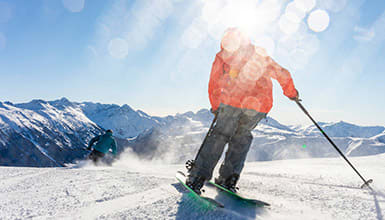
(156, 55)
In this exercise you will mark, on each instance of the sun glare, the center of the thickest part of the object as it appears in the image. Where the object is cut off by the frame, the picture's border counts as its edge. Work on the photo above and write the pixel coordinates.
(284, 28)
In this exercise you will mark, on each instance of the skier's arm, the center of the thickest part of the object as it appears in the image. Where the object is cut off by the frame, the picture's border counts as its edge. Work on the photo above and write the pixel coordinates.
(214, 87)
(92, 141)
(283, 76)
(113, 147)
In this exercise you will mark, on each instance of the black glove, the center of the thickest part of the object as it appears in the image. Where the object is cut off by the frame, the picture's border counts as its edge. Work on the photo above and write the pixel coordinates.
(214, 112)
(296, 98)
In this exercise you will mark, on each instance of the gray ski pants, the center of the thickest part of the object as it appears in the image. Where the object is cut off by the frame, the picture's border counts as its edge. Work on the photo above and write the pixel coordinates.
(233, 127)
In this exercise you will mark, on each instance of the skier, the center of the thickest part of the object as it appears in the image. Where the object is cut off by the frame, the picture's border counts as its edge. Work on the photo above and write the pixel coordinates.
(103, 144)
(240, 93)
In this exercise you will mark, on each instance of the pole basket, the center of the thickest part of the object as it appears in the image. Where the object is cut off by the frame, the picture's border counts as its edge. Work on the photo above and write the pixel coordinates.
(367, 183)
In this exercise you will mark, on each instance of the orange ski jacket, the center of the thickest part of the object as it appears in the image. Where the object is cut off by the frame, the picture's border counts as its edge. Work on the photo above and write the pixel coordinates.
(242, 79)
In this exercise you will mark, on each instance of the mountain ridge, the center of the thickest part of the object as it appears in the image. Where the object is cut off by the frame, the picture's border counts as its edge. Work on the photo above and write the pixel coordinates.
(52, 133)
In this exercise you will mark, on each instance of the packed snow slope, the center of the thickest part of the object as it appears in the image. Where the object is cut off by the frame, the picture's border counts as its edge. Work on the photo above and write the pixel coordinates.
(133, 189)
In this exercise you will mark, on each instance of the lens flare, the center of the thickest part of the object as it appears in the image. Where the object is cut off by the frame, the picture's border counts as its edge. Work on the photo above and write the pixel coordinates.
(287, 26)
(118, 48)
(318, 20)
(305, 5)
(293, 13)
(267, 43)
(252, 17)
(230, 42)
(251, 102)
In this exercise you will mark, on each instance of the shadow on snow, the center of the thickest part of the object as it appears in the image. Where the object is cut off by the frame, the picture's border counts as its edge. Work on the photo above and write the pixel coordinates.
(192, 207)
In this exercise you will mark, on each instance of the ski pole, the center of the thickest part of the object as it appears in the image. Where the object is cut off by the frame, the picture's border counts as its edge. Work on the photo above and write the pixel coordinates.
(208, 134)
(366, 182)
(190, 163)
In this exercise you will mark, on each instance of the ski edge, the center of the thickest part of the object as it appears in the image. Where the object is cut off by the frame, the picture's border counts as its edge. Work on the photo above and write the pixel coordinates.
(210, 200)
(253, 201)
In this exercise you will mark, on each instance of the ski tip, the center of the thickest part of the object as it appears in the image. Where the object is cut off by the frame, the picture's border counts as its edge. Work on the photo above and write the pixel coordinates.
(181, 173)
(266, 204)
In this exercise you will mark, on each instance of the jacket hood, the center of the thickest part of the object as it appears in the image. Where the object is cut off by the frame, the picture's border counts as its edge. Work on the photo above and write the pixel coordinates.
(234, 39)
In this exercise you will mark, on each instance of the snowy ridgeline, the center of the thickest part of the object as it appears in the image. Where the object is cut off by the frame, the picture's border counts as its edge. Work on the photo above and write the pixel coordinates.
(52, 133)
(135, 189)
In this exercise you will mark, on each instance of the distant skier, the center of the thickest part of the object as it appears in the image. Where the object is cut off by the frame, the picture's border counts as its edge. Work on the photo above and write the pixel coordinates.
(103, 144)
(240, 92)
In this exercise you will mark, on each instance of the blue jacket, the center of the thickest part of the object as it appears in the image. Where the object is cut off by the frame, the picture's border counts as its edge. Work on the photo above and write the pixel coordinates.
(104, 143)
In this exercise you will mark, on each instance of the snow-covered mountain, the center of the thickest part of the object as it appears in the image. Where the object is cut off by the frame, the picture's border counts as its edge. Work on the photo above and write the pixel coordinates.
(51, 133)
(316, 189)
(125, 121)
(343, 129)
(41, 133)
(272, 140)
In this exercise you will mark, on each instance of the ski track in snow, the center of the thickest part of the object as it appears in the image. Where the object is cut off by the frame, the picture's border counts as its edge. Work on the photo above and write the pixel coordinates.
(296, 189)
(127, 202)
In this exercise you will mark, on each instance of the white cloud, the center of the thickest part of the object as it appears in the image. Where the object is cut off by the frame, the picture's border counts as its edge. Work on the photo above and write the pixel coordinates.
(362, 34)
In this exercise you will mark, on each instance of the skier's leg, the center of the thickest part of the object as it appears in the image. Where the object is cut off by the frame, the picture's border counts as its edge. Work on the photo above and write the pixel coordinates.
(239, 145)
(212, 147)
(98, 156)
(91, 156)
(95, 156)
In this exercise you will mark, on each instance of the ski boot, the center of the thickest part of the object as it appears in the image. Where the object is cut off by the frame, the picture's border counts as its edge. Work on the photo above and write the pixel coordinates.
(189, 165)
(228, 183)
(195, 183)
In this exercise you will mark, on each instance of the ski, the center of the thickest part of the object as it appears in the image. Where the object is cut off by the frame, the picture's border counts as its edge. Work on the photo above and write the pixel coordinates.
(256, 202)
(181, 177)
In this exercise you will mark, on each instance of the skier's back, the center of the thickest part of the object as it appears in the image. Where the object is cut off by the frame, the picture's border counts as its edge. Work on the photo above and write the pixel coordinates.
(104, 143)
(241, 75)
(240, 92)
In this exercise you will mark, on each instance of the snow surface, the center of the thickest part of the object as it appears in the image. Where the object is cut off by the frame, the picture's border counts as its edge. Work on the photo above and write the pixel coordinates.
(137, 189)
